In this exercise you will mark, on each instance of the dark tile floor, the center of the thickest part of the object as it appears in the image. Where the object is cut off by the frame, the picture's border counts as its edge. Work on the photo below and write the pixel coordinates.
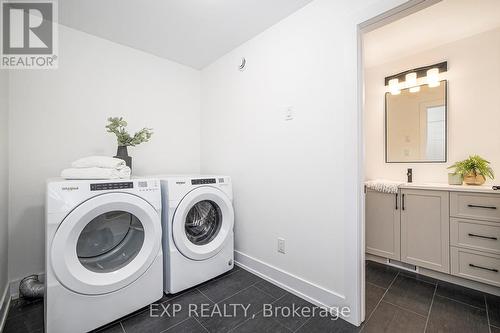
(400, 301)
(396, 301)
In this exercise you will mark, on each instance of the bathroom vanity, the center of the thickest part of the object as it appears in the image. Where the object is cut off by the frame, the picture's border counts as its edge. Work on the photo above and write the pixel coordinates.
(442, 228)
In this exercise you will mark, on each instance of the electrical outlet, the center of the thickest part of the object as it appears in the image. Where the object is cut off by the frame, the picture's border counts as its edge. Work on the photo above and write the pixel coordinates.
(281, 245)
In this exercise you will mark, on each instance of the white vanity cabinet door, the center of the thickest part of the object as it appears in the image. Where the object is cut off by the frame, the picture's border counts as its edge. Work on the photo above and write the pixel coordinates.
(425, 225)
(382, 224)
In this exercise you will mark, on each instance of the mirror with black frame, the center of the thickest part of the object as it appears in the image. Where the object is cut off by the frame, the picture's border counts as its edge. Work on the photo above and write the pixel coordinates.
(416, 124)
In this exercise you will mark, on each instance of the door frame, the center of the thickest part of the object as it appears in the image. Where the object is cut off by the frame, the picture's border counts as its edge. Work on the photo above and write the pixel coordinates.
(394, 14)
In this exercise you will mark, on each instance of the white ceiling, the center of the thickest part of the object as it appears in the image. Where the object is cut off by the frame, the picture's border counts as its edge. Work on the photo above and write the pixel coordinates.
(190, 32)
(442, 23)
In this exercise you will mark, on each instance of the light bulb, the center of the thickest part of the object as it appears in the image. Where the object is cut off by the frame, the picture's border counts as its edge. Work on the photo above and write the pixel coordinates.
(411, 82)
(411, 79)
(394, 87)
(433, 77)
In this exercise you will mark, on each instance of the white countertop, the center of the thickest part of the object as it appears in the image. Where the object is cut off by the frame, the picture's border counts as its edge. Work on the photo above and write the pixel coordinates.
(454, 188)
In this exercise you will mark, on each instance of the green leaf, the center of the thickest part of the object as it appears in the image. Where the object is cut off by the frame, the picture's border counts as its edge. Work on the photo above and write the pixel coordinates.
(117, 126)
(475, 165)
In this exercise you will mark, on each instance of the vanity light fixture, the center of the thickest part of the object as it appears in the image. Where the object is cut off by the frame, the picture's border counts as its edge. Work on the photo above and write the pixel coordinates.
(433, 77)
(410, 79)
(394, 87)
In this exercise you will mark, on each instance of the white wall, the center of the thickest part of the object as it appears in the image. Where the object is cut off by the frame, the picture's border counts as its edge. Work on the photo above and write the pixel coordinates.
(4, 182)
(294, 179)
(59, 115)
(473, 107)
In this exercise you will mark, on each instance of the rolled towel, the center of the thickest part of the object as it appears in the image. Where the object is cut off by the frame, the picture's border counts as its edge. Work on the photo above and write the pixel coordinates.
(385, 186)
(99, 162)
(96, 173)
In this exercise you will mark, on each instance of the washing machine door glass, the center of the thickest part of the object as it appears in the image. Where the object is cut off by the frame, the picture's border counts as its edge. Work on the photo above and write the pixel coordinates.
(110, 241)
(203, 223)
(106, 243)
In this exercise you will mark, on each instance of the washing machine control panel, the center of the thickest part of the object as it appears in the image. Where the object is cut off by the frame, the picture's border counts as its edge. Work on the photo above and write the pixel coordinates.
(111, 186)
(203, 181)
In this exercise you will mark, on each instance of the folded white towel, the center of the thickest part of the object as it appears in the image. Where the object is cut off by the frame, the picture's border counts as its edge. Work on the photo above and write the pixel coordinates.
(96, 173)
(99, 162)
(385, 186)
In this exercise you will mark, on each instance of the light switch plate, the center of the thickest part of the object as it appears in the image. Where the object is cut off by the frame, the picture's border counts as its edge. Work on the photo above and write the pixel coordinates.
(281, 245)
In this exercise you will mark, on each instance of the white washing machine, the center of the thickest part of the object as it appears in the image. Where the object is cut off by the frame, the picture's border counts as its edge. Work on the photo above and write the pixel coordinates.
(198, 240)
(103, 251)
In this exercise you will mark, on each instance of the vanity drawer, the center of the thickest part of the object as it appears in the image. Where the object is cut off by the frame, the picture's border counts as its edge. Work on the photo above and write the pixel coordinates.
(475, 206)
(476, 235)
(475, 265)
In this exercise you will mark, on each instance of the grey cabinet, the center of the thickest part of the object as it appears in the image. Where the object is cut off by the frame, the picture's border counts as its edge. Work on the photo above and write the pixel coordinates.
(454, 232)
(425, 226)
(475, 265)
(382, 224)
(477, 206)
(475, 236)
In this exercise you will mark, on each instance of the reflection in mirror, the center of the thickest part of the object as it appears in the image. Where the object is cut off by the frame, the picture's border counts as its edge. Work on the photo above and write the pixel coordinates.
(416, 125)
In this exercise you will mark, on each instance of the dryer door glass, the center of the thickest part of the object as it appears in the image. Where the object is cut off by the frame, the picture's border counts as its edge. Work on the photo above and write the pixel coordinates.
(203, 222)
(110, 241)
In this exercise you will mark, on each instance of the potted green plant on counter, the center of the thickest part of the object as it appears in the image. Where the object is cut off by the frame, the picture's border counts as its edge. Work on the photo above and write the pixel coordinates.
(117, 125)
(474, 170)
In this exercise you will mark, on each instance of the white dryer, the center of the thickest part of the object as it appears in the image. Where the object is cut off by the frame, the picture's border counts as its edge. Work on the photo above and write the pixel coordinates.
(103, 251)
(198, 219)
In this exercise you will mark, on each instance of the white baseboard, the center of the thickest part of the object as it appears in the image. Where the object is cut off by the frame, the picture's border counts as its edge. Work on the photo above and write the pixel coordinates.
(298, 286)
(4, 307)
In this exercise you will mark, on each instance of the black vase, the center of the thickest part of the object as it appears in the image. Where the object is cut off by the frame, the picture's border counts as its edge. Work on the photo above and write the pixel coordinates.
(122, 153)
